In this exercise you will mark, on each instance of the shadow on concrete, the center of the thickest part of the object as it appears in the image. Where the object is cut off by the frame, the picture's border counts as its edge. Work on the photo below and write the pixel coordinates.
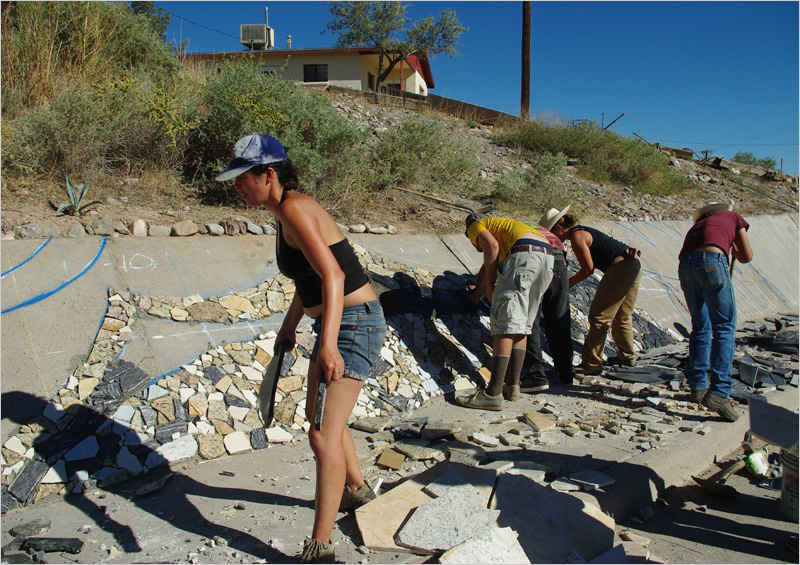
(169, 502)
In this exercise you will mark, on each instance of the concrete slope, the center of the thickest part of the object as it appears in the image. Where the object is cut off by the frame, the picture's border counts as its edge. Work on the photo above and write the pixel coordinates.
(54, 292)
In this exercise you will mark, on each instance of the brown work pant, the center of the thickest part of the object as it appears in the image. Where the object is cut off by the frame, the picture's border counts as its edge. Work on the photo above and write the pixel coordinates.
(612, 307)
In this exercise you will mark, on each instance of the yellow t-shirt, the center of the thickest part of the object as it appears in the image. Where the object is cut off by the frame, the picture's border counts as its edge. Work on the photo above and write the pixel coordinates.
(505, 230)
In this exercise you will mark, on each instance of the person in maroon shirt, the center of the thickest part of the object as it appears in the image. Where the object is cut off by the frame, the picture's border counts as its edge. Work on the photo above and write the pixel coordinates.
(705, 275)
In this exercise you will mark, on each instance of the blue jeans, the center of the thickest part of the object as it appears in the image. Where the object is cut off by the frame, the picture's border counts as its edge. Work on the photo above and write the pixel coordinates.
(707, 286)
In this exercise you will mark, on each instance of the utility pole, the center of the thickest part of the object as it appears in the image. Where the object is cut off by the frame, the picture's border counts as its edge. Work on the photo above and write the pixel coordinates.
(525, 100)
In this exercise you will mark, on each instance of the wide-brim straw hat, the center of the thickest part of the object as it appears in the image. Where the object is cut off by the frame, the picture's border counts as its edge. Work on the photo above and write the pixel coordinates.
(551, 217)
(710, 209)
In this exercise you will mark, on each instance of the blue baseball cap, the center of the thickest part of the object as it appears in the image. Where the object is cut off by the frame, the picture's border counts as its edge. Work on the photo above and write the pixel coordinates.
(251, 151)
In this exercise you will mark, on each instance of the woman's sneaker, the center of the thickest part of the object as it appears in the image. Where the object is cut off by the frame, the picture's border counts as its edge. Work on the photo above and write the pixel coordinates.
(315, 551)
(536, 384)
(352, 499)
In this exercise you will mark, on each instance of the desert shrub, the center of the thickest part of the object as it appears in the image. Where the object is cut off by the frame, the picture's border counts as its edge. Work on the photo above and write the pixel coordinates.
(602, 156)
(420, 152)
(537, 187)
(240, 100)
(110, 126)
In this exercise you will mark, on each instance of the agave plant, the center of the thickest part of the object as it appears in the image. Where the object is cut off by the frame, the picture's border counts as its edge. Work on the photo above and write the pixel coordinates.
(75, 205)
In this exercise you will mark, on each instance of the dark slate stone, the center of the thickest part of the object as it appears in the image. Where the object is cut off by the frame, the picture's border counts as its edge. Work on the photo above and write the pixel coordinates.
(751, 373)
(379, 367)
(31, 528)
(288, 363)
(233, 401)
(90, 465)
(397, 402)
(18, 558)
(66, 545)
(86, 421)
(52, 448)
(108, 447)
(419, 305)
(149, 415)
(15, 544)
(214, 373)
(24, 486)
(745, 394)
(258, 439)
(180, 411)
(163, 434)
(7, 502)
(145, 449)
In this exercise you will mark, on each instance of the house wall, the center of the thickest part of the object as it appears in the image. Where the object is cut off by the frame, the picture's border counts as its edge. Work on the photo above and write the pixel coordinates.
(345, 67)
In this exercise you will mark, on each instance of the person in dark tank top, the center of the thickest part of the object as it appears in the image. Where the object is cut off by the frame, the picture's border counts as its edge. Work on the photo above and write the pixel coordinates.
(332, 289)
(615, 299)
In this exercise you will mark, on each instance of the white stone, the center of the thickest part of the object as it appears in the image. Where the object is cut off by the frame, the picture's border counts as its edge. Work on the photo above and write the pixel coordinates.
(250, 397)
(186, 393)
(205, 428)
(278, 435)
(56, 474)
(128, 461)
(15, 444)
(495, 545)
(252, 374)
(191, 369)
(182, 448)
(387, 355)
(237, 442)
(238, 412)
(84, 450)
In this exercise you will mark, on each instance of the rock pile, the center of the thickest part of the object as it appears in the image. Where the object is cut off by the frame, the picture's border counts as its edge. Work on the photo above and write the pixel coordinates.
(184, 228)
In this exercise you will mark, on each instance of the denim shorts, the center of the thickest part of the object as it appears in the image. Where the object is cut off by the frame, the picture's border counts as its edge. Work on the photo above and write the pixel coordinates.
(361, 336)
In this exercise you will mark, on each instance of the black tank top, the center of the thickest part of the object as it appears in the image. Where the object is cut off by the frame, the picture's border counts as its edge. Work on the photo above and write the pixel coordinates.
(604, 249)
(308, 284)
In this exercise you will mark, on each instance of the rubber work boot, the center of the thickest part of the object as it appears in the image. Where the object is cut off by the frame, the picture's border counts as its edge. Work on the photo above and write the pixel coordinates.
(352, 499)
(697, 395)
(721, 406)
(315, 551)
(481, 401)
(511, 392)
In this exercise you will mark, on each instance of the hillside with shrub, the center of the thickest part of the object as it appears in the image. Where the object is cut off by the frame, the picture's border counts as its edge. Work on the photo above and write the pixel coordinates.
(91, 93)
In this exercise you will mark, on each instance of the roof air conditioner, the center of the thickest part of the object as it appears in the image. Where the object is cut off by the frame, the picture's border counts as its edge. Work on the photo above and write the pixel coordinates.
(254, 36)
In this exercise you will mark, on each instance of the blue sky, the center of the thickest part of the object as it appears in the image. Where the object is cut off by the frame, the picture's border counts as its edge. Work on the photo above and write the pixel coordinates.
(718, 76)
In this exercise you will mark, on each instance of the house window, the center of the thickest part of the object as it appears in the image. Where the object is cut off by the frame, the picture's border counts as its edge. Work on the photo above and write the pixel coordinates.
(315, 73)
(370, 81)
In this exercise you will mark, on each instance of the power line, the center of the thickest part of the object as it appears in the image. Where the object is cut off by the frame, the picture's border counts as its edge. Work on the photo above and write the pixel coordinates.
(200, 25)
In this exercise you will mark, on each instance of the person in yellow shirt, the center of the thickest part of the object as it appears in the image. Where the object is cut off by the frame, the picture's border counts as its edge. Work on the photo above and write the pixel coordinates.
(517, 269)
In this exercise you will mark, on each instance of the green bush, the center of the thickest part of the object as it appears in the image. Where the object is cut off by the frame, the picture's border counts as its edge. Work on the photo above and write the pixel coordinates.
(536, 188)
(602, 156)
(420, 153)
(240, 100)
(88, 129)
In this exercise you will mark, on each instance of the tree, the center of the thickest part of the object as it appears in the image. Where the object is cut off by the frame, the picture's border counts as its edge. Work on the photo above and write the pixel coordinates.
(158, 19)
(750, 159)
(381, 25)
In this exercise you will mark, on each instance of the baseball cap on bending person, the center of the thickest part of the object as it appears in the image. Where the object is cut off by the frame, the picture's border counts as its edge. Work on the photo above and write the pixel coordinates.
(474, 217)
(251, 151)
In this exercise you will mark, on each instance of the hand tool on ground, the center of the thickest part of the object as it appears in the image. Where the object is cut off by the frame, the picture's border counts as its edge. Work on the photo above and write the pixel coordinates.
(269, 384)
(719, 486)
